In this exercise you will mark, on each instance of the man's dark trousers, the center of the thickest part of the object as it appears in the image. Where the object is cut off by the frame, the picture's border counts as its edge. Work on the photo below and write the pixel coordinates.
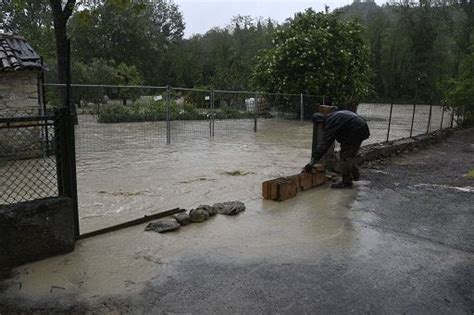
(348, 153)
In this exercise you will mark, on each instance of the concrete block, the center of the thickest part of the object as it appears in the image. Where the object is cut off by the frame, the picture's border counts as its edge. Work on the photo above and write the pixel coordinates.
(35, 230)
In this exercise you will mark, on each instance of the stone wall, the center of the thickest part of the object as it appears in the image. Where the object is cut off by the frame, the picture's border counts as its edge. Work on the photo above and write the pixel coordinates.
(380, 151)
(18, 93)
(35, 230)
(19, 97)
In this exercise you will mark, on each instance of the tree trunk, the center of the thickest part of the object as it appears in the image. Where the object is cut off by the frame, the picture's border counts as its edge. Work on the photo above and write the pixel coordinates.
(60, 18)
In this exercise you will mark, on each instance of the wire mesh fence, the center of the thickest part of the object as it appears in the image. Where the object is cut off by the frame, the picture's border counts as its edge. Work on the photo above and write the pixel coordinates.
(132, 117)
(28, 158)
(141, 121)
(388, 122)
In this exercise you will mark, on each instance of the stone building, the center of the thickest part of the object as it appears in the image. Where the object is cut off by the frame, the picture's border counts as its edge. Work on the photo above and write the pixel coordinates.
(20, 73)
(20, 77)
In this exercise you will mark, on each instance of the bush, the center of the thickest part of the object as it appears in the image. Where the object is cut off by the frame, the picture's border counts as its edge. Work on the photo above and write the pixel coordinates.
(156, 111)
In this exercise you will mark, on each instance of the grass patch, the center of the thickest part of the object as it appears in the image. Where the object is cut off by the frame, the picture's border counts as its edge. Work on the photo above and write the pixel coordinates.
(470, 175)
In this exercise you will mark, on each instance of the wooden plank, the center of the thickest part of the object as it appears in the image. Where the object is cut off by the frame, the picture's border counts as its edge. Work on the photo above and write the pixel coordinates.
(145, 219)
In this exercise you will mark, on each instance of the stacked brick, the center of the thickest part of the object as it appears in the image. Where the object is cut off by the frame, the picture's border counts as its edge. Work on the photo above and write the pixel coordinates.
(284, 188)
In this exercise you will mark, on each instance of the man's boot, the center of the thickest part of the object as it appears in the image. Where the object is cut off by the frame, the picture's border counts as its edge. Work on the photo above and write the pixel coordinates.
(342, 184)
(346, 182)
(355, 173)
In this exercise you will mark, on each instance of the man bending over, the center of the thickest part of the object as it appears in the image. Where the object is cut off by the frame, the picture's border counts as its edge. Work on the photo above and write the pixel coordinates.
(349, 129)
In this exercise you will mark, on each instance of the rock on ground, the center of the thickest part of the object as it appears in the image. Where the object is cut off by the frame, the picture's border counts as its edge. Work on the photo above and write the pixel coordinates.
(163, 226)
(211, 210)
(198, 215)
(229, 207)
(182, 218)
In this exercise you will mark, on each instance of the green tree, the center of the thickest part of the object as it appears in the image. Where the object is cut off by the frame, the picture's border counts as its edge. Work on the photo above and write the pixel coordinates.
(139, 33)
(460, 93)
(31, 19)
(319, 54)
(100, 71)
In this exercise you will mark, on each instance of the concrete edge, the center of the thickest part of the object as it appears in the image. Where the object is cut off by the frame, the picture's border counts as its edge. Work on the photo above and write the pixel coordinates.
(378, 151)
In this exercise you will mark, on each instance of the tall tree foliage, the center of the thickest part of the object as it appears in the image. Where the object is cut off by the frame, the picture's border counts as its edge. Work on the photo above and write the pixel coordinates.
(32, 20)
(131, 32)
(319, 54)
(415, 46)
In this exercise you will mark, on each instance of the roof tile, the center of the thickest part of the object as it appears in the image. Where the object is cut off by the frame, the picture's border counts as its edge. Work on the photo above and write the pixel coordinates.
(16, 54)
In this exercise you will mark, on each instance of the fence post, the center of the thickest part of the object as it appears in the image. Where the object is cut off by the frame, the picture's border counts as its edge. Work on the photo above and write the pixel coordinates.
(168, 114)
(452, 117)
(43, 111)
(412, 120)
(59, 137)
(301, 107)
(389, 121)
(442, 117)
(429, 119)
(256, 113)
(212, 113)
(66, 149)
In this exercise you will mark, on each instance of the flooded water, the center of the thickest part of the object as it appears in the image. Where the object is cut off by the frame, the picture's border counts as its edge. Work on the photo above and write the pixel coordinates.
(127, 170)
(119, 185)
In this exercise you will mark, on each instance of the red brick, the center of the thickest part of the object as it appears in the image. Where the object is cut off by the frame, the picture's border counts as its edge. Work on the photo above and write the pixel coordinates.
(318, 179)
(269, 189)
(306, 181)
(320, 168)
(295, 179)
(286, 190)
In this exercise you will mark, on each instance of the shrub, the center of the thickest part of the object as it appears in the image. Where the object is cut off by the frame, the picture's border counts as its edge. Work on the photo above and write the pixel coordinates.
(156, 111)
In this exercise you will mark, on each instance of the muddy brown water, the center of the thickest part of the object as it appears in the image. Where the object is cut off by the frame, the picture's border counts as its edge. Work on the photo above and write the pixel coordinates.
(127, 170)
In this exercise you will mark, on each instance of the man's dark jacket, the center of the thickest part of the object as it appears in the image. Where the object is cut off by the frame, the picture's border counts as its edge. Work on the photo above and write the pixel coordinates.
(344, 126)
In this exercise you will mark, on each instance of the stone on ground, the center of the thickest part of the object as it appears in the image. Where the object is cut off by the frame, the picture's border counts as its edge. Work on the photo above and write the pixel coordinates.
(182, 218)
(211, 210)
(163, 226)
(229, 207)
(198, 215)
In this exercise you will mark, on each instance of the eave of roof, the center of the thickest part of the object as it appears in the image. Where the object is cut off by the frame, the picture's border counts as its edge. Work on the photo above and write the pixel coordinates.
(17, 55)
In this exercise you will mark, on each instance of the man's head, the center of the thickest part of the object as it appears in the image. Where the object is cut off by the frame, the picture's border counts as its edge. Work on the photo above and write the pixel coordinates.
(318, 118)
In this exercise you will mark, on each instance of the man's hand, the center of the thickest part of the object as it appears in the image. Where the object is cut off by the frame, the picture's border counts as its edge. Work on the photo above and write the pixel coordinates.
(308, 168)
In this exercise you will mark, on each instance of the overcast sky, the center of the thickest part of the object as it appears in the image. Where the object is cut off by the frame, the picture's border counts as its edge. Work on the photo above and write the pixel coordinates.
(202, 15)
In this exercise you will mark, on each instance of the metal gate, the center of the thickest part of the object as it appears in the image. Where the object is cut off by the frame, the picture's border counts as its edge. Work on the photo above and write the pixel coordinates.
(37, 158)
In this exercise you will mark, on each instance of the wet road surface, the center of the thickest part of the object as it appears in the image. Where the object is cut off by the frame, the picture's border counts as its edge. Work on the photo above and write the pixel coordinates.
(401, 242)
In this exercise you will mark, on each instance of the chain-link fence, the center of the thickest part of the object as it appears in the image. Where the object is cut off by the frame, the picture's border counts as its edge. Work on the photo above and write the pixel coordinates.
(140, 146)
(388, 122)
(132, 117)
(28, 158)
